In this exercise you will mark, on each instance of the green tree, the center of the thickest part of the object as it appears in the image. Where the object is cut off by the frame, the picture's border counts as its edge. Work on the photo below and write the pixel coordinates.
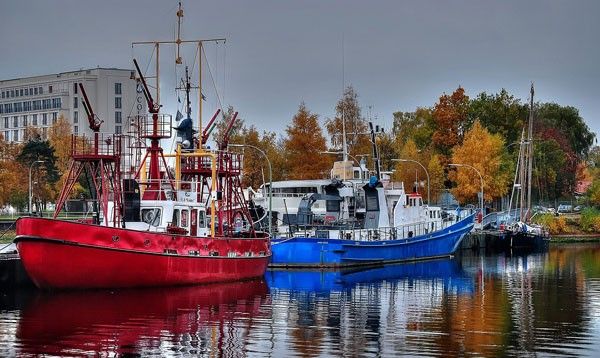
(500, 113)
(356, 126)
(236, 133)
(566, 119)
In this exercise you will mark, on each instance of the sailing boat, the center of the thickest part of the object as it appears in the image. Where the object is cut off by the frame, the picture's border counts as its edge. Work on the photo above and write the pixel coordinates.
(153, 227)
(524, 233)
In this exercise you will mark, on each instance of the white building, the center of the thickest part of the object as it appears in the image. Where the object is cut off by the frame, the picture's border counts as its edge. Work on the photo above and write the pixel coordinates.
(38, 101)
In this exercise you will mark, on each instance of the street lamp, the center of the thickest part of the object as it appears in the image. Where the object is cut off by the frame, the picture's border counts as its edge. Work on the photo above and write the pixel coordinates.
(480, 178)
(426, 173)
(30, 189)
(270, 177)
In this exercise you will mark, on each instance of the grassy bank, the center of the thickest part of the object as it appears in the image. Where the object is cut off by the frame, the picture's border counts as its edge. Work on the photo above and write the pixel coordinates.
(7, 237)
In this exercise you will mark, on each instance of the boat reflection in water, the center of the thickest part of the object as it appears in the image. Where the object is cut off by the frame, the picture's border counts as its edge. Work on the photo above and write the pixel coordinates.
(446, 274)
(185, 320)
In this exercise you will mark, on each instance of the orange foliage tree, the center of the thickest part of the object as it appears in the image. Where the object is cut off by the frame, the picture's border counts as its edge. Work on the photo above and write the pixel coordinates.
(256, 168)
(12, 190)
(451, 118)
(485, 152)
(304, 145)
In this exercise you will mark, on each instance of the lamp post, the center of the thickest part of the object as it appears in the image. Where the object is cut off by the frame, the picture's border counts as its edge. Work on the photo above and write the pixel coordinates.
(480, 178)
(270, 177)
(30, 189)
(426, 173)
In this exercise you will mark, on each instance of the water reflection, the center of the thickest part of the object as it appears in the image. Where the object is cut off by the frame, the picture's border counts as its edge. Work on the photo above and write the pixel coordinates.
(149, 321)
(515, 304)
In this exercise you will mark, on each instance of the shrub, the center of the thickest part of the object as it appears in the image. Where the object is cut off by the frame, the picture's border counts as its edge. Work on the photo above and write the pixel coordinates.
(590, 220)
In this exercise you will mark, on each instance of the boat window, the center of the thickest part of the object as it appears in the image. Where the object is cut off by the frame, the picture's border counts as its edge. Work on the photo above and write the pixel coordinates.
(151, 216)
(175, 220)
(201, 218)
(184, 218)
(372, 201)
(332, 205)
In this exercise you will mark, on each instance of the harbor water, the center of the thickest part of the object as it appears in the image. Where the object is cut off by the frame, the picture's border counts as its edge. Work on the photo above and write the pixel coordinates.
(512, 303)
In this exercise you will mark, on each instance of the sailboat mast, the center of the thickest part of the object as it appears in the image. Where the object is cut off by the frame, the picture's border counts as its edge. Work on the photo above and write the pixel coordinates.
(530, 154)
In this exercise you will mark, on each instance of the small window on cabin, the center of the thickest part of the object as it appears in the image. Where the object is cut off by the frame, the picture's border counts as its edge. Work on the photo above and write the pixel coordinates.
(175, 220)
(201, 219)
(151, 216)
(184, 218)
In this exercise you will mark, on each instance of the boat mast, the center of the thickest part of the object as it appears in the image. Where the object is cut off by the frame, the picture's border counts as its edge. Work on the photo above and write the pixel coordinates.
(530, 155)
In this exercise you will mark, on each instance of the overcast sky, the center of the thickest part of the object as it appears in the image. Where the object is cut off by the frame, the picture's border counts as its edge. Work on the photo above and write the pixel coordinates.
(397, 54)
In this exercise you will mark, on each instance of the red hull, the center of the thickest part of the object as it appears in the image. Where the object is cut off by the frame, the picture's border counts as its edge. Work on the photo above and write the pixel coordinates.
(61, 254)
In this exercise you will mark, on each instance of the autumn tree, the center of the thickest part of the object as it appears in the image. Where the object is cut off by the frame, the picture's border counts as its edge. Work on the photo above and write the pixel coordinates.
(348, 111)
(436, 177)
(256, 168)
(451, 117)
(409, 173)
(486, 153)
(303, 147)
(12, 190)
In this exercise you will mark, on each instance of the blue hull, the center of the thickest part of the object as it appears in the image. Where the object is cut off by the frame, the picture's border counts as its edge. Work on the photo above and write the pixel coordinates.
(317, 252)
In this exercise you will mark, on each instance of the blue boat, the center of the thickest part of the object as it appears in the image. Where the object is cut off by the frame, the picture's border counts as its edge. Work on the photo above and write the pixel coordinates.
(318, 251)
(386, 225)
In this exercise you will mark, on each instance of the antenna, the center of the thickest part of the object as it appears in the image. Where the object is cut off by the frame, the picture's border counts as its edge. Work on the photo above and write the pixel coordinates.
(344, 142)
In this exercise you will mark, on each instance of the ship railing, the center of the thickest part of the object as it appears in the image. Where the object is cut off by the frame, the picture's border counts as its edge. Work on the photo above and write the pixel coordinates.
(175, 190)
(105, 145)
(143, 126)
(226, 163)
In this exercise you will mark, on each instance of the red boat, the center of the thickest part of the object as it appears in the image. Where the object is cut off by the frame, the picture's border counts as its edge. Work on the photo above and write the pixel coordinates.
(154, 225)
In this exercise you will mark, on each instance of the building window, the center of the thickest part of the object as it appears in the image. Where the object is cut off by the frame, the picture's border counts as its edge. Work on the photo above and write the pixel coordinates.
(49, 89)
(117, 88)
(56, 102)
(75, 102)
(31, 91)
(75, 117)
(35, 91)
(5, 122)
(34, 119)
(54, 117)
(27, 91)
(117, 129)
(40, 90)
(45, 119)
(76, 130)
(2, 94)
(16, 135)
(117, 102)
(15, 121)
(12, 93)
(75, 87)
(118, 117)
(27, 106)
(24, 121)
(37, 105)
(8, 108)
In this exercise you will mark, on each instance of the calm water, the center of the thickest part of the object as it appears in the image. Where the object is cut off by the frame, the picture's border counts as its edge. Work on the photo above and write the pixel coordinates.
(530, 304)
